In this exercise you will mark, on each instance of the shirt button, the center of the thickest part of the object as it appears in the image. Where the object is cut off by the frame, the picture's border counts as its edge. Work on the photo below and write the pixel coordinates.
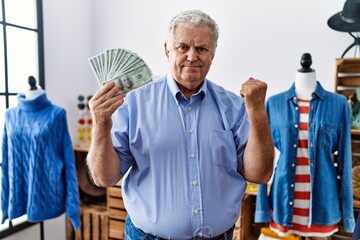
(293, 165)
(290, 203)
(193, 155)
(191, 131)
(189, 108)
(196, 212)
(292, 185)
(194, 183)
(296, 108)
(296, 126)
(295, 145)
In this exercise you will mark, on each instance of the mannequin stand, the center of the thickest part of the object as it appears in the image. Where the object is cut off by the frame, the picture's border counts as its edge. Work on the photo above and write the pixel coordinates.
(355, 44)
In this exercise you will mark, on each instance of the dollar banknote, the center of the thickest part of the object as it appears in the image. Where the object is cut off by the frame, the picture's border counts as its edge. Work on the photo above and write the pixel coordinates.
(122, 66)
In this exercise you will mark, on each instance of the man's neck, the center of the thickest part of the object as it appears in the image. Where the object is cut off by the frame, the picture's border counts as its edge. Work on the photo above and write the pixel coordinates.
(188, 92)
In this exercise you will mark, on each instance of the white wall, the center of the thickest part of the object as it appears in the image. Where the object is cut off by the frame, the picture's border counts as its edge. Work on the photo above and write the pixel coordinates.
(54, 229)
(67, 41)
(31, 233)
(260, 38)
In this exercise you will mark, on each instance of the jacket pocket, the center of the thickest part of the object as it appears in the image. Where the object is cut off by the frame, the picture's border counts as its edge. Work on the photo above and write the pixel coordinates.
(327, 136)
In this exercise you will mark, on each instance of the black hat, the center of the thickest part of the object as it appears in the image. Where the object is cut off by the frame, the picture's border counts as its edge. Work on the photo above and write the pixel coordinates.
(349, 19)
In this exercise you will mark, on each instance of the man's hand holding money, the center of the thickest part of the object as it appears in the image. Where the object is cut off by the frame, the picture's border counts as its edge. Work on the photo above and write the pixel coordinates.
(121, 66)
(104, 103)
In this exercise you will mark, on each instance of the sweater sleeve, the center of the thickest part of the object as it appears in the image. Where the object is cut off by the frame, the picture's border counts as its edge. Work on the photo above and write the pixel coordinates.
(4, 178)
(72, 190)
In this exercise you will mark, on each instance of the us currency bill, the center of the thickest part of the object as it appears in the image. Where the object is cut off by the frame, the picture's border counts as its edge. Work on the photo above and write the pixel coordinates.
(122, 66)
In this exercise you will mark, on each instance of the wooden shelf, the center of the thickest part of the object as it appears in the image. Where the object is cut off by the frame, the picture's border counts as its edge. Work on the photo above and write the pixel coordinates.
(355, 131)
(100, 219)
(81, 148)
(117, 212)
(347, 75)
(347, 79)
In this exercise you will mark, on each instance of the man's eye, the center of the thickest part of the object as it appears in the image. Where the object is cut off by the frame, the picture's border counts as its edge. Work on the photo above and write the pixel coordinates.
(183, 48)
(201, 50)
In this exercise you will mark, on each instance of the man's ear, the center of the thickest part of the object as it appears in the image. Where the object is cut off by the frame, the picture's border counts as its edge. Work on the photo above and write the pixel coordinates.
(213, 57)
(166, 50)
(213, 54)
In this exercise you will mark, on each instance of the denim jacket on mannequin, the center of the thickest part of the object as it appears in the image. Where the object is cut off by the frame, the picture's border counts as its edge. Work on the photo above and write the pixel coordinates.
(329, 133)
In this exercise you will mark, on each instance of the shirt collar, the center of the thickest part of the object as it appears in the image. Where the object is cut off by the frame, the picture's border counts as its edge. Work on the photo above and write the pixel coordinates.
(319, 92)
(175, 90)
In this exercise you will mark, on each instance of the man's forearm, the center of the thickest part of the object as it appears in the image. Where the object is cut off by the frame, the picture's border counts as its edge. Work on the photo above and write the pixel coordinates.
(103, 161)
(259, 151)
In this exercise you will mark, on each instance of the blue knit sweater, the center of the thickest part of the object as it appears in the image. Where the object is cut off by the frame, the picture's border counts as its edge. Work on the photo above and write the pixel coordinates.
(38, 164)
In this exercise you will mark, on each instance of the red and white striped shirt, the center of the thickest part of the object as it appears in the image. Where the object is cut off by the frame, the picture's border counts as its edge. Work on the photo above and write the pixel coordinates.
(302, 193)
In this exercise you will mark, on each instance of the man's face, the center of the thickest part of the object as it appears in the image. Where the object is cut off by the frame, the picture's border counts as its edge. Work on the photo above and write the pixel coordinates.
(190, 52)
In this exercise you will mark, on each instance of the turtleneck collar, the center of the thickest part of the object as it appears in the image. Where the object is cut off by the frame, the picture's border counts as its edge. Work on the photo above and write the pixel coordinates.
(35, 104)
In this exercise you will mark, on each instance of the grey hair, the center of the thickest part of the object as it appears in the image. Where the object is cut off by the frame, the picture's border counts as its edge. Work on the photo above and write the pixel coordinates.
(197, 18)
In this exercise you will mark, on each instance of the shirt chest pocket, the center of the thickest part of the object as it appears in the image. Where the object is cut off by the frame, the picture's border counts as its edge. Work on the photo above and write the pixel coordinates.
(328, 135)
(222, 149)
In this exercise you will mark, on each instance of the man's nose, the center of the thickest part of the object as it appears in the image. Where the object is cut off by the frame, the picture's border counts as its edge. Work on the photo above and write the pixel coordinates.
(192, 55)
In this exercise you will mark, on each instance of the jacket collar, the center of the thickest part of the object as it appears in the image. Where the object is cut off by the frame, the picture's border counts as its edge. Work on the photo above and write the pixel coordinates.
(319, 92)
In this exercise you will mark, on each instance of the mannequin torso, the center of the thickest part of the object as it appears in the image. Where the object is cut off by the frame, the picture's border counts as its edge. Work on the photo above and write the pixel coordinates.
(30, 94)
(305, 79)
(305, 84)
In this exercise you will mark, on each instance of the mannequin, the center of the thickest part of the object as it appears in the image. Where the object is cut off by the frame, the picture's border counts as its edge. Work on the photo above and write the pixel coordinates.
(39, 176)
(305, 78)
(308, 125)
(34, 90)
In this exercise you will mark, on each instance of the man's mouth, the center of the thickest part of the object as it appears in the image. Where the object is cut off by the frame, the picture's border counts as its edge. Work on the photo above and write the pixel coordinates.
(191, 66)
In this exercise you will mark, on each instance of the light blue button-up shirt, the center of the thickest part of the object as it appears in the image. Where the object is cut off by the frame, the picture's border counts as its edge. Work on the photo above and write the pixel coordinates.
(181, 158)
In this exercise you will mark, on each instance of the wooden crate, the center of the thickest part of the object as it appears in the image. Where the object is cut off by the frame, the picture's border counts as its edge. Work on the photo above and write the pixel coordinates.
(94, 225)
(236, 234)
(117, 212)
(246, 228)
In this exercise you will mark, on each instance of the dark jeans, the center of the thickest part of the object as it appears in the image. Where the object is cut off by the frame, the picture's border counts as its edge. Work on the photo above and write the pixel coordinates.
(133, 233)
(356, 234)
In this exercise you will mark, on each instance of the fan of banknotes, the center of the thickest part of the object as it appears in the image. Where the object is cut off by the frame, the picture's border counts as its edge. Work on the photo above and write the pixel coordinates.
(122, 66)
